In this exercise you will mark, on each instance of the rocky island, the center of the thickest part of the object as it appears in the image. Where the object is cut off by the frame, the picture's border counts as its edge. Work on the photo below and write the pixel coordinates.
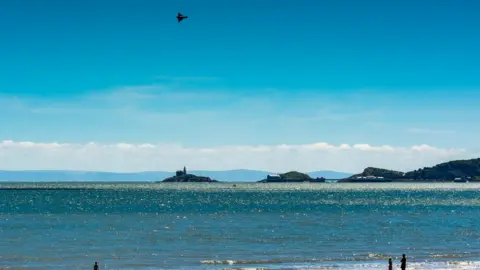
(456, 171)
(291, 176)
(183, 176)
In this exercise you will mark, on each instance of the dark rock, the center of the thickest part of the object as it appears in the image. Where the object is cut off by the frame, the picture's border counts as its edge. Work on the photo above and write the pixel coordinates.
(291, 176)
(183, 176)
(189, 178)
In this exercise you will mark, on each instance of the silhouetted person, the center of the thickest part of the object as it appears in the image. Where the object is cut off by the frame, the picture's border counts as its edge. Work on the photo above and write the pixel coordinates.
(95, 266)
(390, 266)
(404, 262)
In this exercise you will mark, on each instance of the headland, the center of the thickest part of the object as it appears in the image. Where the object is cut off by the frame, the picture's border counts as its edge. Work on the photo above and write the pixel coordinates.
(453, 171)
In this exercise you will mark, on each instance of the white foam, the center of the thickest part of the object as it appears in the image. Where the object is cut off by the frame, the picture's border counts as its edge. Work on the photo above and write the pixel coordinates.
(437, 265)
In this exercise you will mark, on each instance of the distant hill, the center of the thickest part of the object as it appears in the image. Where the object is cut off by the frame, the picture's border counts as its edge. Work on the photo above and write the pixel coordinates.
(233, 175)
(446, 171)
(371, 171)
(47, 176)
(329, 174)
(230, 175)
(295, 175)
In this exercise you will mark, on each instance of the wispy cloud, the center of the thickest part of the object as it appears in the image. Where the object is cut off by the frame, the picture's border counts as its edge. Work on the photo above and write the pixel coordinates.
(167, 156)
(115, 99)
(187, 78)
(329, 114)
(430, 131)
(159, 101)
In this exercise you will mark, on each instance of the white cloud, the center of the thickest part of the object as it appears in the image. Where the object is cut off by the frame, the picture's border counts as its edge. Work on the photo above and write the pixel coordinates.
(123, 157)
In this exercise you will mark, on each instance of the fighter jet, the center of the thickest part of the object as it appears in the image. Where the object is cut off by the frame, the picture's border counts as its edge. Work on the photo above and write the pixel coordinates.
(180, 17)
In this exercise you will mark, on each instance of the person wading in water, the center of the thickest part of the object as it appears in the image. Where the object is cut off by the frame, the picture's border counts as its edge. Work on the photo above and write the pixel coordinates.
(404, 262)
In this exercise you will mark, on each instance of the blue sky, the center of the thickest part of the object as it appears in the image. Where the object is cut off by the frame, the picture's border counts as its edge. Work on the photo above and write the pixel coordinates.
(397, 73)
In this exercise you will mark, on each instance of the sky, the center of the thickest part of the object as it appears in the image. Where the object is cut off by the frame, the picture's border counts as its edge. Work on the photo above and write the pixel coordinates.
(271, 85)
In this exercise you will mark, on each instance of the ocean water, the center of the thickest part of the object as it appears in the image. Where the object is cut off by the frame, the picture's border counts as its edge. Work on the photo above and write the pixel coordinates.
(247, 226)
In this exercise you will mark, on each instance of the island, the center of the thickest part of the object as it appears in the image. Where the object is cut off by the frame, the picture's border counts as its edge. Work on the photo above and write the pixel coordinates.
(292, 176)
(183, 176)
(453, 171)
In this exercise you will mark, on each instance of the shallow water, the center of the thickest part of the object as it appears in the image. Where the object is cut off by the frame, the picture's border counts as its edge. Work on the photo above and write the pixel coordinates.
(219, 226)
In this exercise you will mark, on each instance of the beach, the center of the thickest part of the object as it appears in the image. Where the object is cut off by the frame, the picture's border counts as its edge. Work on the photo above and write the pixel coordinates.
(247, 226)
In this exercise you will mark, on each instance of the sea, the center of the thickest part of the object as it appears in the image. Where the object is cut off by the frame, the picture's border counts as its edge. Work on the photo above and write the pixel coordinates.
(239, 225)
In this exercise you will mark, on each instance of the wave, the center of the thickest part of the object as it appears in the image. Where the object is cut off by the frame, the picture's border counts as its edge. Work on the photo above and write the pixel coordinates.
(267, 261)
(362, 261)
(427, 265)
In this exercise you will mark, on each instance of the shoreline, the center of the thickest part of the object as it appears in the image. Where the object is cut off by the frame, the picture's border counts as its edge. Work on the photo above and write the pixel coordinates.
(286, 264)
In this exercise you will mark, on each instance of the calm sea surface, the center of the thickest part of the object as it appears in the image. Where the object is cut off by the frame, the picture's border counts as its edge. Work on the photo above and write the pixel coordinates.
(250, 226)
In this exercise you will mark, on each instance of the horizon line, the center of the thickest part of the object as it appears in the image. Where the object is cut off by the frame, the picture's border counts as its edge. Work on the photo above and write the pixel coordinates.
(173, 171)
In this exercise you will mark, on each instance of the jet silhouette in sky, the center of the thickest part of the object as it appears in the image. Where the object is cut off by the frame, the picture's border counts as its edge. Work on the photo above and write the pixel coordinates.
(180, 17)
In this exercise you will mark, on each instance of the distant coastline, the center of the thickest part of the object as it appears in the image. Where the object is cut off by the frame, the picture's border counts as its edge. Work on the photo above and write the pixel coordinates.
(460, 171)
(239, 175)
(453, 171)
